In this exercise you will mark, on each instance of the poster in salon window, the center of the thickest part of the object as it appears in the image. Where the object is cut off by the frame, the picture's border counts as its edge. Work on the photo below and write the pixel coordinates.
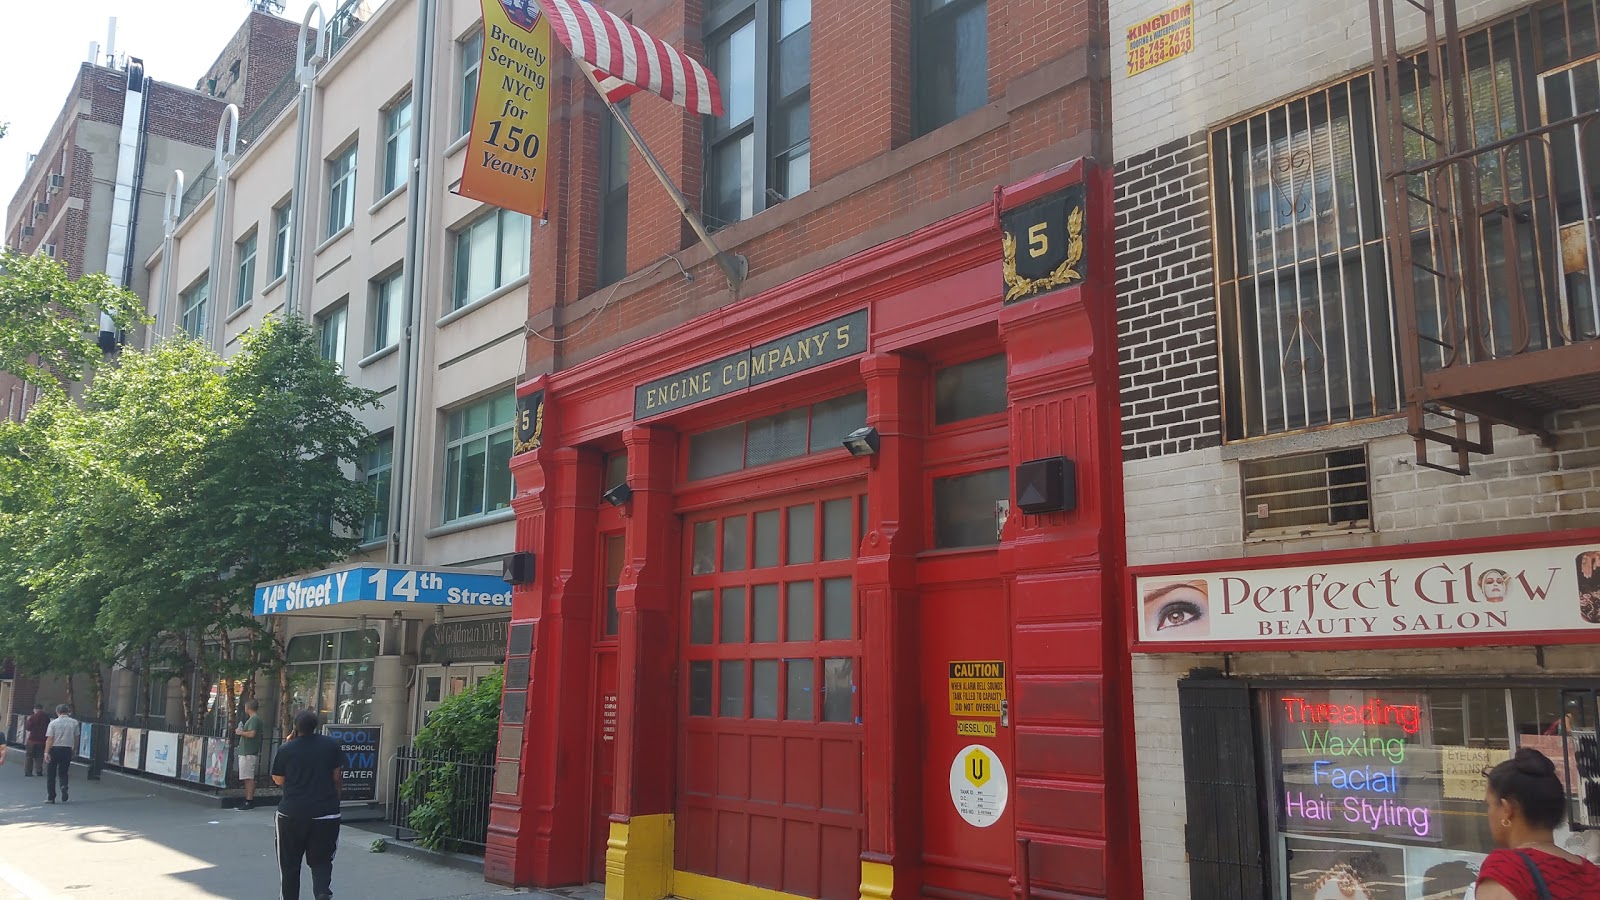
(1339, 870)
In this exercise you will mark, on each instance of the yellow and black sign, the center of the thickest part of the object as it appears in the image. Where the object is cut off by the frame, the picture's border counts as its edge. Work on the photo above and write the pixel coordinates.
(975, 729)
(977, 689)
(530, 423)
(1043, 245)
(505, 165)
(1160, 38)
(818, 345)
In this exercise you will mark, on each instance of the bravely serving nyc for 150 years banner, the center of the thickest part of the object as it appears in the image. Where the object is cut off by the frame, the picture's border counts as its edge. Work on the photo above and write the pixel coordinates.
(505, 164)
(1488, 593)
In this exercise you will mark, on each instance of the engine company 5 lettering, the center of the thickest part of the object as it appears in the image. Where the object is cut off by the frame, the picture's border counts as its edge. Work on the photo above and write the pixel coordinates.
(819, 345)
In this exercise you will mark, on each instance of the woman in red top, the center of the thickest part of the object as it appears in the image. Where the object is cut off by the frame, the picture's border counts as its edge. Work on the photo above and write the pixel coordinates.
(1526, 803)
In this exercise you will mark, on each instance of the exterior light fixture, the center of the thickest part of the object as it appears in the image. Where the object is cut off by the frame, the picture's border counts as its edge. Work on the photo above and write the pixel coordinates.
(438, 615)
(862, 441)
(618, 495)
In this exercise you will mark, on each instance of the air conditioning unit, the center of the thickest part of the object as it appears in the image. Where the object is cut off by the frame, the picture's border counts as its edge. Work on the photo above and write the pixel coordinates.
(27, 231)
(40, 209)
(57, 182)
(48, 250)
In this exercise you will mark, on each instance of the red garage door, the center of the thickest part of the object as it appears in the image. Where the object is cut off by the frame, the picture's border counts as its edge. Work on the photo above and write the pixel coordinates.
(771, 764)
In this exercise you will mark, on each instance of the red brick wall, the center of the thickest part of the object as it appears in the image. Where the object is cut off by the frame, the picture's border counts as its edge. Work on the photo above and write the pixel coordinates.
(871, 181)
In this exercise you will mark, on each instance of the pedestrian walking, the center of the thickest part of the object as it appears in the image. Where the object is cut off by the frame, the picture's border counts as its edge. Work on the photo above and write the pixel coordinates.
(60, 743)
(34, 746)
(249, 756)
(308, 767)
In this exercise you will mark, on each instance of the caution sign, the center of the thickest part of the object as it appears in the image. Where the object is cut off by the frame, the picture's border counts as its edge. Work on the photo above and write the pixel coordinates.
(976, 729)
(977, 688)
(978, 785)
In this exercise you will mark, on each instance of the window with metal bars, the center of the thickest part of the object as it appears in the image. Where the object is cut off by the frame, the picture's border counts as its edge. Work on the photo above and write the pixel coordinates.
(1306, 494)
(1305, 292)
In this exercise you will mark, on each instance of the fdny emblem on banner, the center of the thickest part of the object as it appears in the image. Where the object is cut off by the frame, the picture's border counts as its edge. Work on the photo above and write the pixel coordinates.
(523, 13)
(1043, 244)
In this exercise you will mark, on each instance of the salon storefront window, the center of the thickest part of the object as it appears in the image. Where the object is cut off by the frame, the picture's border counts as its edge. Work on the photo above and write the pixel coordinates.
(1379, 792)
(331, 674)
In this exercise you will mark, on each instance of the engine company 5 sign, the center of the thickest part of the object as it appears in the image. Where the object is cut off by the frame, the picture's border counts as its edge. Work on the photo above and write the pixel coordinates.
(1526, 591)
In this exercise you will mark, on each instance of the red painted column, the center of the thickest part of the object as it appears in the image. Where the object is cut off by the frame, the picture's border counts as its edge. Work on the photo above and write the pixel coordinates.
(648, 642)
(886, 585)
(537, 834)
(1074, 776)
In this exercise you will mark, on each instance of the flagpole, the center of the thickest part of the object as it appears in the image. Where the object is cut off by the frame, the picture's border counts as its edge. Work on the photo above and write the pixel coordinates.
(732, 265)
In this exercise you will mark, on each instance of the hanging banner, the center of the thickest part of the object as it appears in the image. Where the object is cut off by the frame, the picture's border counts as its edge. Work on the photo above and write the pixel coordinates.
(505, 164)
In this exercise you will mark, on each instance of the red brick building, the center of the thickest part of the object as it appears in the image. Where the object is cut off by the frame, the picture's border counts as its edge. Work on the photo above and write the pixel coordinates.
(765, 663)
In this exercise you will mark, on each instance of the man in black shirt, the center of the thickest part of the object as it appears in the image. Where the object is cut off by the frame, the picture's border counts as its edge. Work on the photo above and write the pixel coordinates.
(308, 767)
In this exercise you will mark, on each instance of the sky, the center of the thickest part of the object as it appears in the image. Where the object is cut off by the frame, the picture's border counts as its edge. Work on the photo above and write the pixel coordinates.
(42, 45)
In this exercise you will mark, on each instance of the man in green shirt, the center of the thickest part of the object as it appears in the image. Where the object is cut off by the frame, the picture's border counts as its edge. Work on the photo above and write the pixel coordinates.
(250, 732)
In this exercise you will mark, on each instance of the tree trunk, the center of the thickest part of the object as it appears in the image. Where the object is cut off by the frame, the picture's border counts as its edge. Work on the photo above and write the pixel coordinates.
(99, 680)
(72, 697)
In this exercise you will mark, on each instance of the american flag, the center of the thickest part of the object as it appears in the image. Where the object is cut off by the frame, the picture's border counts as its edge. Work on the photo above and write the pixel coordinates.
(626, 60)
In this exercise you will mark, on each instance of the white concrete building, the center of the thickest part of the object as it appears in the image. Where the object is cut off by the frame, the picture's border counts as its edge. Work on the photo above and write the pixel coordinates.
(420, 295)
(1275, 377)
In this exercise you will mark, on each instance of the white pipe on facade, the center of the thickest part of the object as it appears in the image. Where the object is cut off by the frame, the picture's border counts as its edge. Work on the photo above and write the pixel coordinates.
(298, 300)
(227, 150)
(400, 505)
(171, 207)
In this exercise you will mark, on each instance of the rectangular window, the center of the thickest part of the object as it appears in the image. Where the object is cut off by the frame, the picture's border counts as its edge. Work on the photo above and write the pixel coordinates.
(331, 334)
(396, 144)
(1306, 494)
(282, 217)
(786, 435)
(490, 253)
(970, 390)
(471, 51)
(616, 546)
(951, 49)
(244, 287)
(1303, 279)
(759, 152)
(341, 190)
(193, 303)
(966, 508)
(1374, 786)
(331, 674)
(614, 150)
(388, 298)
(477, 464)
(379, 463)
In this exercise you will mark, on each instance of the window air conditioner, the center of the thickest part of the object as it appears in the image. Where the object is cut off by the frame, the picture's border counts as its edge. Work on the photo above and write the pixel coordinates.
(57, 182)
(41, 208)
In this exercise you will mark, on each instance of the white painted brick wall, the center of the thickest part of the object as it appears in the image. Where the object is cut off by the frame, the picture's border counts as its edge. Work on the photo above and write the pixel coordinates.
(1186, 506)
(1248, 53)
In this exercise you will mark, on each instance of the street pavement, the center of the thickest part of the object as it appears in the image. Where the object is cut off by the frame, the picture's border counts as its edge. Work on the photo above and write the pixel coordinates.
(118, 839)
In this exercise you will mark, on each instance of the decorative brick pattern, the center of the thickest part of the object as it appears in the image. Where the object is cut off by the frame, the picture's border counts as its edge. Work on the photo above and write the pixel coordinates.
(1166, 309)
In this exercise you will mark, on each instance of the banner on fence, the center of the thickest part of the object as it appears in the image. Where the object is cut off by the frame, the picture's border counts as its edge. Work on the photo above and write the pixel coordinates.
(359, 744)
(161, 753)
(193, 757)
(86, 739)
(119, 736)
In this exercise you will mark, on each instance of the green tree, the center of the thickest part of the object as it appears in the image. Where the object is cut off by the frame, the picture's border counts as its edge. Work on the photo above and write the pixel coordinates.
(49, 321)
(142, 520)
(448, 806)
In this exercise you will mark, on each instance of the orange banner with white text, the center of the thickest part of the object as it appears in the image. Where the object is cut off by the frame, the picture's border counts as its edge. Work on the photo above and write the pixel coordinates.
(505, 164)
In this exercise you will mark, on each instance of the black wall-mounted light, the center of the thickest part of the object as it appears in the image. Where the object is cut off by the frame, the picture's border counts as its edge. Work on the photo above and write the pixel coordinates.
(862, 441)
(517, 568)
(1047, 485)
(618, 495)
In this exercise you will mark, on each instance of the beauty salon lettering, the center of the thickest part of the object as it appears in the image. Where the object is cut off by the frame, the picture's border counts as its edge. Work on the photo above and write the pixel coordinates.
(821, 344)
(1532, 590)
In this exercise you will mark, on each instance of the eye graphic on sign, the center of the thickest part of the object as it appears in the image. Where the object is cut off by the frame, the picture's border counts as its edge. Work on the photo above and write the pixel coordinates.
(1181, 605)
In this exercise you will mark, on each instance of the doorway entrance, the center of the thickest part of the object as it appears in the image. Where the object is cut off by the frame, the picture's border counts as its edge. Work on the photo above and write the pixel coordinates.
(435, 684)
(770, 770)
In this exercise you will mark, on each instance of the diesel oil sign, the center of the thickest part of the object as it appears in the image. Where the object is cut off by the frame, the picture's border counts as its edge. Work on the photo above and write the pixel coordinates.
(815, 346)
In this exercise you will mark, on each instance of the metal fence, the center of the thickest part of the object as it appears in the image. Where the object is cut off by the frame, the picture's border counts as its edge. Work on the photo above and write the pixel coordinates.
(441, 800)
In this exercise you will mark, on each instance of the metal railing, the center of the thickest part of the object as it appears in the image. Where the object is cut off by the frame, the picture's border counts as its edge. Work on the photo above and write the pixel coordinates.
(441, 800)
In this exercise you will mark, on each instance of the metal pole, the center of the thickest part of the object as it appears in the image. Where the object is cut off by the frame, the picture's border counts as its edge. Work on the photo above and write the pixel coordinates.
(170, 209)
(227, 150)
(733, 266)
(306, 74)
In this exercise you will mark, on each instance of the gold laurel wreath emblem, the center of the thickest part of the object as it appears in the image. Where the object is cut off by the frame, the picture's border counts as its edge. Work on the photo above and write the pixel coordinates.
(534, 440)
(1018, 287)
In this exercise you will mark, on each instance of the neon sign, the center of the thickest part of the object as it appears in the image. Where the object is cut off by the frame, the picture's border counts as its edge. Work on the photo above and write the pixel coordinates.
(1374, 712)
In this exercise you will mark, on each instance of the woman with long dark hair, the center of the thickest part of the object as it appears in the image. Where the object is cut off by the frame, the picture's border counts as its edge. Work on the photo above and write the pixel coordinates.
(1526, 803)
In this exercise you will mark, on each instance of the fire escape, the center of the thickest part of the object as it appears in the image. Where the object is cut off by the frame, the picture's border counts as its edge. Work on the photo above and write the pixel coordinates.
(1493, 232)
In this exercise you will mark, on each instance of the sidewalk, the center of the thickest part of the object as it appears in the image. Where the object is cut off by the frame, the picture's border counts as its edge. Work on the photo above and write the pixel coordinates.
(116, 839)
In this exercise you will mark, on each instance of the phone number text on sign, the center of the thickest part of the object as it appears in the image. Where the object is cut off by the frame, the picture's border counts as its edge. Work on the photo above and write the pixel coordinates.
(1160, 38)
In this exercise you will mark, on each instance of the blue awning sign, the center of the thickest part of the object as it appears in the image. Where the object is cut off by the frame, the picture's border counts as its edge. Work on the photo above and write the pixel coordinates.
(383, 584)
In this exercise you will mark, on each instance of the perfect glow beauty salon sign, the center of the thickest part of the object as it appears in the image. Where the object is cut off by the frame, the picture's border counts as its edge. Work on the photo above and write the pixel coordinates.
(1528, 590)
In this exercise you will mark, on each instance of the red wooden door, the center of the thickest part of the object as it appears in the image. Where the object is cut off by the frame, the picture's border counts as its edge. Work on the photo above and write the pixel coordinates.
(966, 623)
(771, 766)
(612, 547)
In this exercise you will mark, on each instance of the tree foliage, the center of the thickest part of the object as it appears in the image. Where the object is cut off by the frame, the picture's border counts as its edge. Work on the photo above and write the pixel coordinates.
(49, 321)
(134, 526)
(448, 811)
